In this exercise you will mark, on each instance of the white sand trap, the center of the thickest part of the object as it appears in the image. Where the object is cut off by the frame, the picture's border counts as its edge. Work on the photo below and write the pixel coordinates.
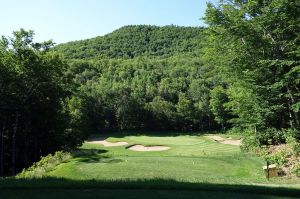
(108, 144)
(148, 148)
(215, 137)
(232, 142)
(229, 141)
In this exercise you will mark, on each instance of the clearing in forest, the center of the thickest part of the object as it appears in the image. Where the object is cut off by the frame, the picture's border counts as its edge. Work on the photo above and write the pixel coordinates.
(192, 166)
(187, 158)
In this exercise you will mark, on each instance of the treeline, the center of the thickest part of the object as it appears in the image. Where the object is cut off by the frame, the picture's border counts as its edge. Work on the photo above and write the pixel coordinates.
(242, 72)
(162, 85)
(35, 113)
(255, 48)
(134, 41)
(143, 93)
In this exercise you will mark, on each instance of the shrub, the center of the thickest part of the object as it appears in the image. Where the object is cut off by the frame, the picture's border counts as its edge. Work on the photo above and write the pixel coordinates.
(46, 164)
(250, 141)
(296, 169)
(278, 158)
(235, 131)
(271, 136)
(293, 141)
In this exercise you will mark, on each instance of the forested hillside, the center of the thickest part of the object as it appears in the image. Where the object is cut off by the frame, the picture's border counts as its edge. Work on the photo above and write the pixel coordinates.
(143, 77)
(134, 41)
(240, 74)
(240, 71)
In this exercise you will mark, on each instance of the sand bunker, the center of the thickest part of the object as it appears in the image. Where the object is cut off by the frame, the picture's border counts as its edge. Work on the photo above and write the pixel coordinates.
(229, 141)
(148, 148)
(215, 137)
(232, 142)
(108, 144)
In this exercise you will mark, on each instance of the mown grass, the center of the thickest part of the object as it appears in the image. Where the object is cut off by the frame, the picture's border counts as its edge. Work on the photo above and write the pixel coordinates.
(195, 165)
(190, 159)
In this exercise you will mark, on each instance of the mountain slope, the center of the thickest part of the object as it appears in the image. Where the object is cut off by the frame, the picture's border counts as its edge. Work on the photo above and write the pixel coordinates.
(136, 40)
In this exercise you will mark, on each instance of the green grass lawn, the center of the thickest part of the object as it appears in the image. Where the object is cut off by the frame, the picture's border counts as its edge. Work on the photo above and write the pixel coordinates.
(193, 161)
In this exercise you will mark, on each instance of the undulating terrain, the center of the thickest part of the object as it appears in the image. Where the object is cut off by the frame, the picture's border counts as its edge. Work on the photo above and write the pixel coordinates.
(148, 111)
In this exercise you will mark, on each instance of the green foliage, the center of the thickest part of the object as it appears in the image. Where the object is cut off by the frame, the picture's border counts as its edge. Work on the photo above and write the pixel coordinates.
(279, 157)
(271, 136)
(250, 142)
(34, 120)
(242, 71)
(143, 93)
(292, 139)
(134, 41)
(254, 49)
(296, 169)
(46, 164)
(217, 104)
(142, 77)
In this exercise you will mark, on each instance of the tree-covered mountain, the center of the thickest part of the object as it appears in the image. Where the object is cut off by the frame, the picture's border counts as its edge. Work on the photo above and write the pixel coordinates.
(137, 40)
(142, 77)
(242, 71)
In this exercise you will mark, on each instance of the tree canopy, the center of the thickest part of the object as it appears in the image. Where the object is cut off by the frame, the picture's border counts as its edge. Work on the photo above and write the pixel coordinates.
(242, 70)
(34, 119)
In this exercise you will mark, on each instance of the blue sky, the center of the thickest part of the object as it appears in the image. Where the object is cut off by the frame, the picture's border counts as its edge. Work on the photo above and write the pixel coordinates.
(68, 20)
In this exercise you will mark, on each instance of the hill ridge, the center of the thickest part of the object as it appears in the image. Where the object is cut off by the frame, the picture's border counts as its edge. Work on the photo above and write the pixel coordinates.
(136, 40)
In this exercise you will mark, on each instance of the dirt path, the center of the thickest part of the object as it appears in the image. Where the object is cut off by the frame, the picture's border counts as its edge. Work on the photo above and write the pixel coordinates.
(229, 141)
(148, 148)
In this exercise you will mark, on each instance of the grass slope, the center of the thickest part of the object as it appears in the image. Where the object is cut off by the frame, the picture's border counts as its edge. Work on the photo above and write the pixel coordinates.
(196, 165)
(190, 159)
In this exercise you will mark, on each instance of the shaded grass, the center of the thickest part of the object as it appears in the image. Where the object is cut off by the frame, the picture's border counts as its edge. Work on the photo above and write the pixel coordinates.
(125, 194)
(144, 187)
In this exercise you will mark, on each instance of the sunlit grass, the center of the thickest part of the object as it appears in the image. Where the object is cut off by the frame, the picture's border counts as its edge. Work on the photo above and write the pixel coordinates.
(190, 159)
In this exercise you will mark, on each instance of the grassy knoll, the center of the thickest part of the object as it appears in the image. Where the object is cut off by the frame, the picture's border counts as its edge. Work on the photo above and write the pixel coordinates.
(196, 165)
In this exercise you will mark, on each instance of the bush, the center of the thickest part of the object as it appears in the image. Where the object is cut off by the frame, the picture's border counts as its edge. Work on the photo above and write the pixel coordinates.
(250, 141)
(292, 141)
(279, 158)
(296, 169)
(271, 136)
(46, 164)
(235, 131)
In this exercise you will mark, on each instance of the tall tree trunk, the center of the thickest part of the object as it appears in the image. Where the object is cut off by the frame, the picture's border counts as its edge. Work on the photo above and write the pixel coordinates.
(35, 149)
(26, 151)
(13, 152)
(292, 114)
(2, 152)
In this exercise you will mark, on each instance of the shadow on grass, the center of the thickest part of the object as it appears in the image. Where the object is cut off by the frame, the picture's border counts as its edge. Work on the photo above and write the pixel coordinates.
(100, 160)
(94, 156)
(153, 184)
(86, 153)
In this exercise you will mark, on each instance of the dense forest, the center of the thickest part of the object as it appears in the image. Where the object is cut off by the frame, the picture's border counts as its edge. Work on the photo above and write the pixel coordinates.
(159, 88)
(134, 41)
(241, 73)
